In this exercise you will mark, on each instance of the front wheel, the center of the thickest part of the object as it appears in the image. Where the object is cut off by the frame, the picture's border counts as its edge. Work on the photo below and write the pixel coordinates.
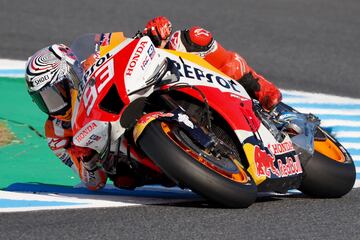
(330, 173)
(217, 178)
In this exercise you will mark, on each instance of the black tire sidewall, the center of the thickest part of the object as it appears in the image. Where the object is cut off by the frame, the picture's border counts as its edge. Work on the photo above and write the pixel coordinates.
(327, 178)
(188, 172)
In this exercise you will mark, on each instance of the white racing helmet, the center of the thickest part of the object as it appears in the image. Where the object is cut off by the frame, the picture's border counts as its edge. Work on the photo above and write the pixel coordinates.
(51, 74)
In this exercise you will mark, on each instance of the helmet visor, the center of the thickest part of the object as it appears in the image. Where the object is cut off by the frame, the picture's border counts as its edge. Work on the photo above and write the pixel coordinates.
(53, 100)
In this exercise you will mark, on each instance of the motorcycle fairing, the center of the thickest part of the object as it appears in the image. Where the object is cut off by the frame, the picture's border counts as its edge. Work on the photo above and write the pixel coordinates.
(263, 164)
(110, 70)
(109, 41)
(224, 95)
(228, 98)
(128, 66)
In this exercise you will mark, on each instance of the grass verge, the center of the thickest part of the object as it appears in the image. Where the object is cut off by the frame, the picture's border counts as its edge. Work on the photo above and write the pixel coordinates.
(6, 136)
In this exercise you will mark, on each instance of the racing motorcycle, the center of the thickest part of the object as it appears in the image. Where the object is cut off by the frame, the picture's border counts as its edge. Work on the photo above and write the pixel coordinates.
(185, 122)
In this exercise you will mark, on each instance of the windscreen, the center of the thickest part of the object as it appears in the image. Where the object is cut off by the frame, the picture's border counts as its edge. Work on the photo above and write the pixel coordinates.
(84, 46)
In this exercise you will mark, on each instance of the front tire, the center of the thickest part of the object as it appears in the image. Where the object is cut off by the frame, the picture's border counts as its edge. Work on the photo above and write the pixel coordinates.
(180, 160)
(330, 173)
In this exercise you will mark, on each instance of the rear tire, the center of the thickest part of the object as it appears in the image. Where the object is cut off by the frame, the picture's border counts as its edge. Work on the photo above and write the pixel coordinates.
(187, 169)
(330, 173)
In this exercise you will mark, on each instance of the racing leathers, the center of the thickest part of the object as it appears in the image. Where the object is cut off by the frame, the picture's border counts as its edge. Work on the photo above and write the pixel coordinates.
(199, 41)
(83, 161)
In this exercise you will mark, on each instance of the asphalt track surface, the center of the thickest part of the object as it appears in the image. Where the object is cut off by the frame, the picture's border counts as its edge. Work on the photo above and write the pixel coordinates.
(304, 45)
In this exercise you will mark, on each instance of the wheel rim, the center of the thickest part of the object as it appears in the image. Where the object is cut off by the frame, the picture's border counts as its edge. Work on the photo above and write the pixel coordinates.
(239, 176)
(330, 149)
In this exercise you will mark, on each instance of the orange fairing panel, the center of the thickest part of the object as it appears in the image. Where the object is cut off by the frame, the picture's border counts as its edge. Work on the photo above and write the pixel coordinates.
(110, 41)
(106, 42)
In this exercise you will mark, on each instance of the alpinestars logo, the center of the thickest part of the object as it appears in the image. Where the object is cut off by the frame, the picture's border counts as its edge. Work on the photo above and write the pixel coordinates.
(201, 31)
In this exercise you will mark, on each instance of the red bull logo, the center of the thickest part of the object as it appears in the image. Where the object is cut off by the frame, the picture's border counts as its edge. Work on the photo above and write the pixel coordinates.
(265, 164)
(145, 120)
(290, 167)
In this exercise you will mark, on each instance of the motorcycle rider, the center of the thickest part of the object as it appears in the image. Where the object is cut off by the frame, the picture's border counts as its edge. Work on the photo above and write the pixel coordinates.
(199, 41)
(52, 75)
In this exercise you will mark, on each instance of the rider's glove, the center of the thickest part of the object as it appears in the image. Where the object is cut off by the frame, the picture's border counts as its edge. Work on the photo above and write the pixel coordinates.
(158, 29)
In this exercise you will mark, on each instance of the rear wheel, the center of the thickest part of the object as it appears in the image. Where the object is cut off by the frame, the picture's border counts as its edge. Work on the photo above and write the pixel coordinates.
(219, 178)
(330, 173)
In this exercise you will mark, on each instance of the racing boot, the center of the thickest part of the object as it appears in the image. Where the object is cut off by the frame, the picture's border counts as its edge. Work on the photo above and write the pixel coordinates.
(262, 90)
(127, 182)
(137, 176)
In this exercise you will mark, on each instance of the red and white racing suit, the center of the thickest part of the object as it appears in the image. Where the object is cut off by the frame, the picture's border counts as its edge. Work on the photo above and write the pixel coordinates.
(81, 160)
(199, 41)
